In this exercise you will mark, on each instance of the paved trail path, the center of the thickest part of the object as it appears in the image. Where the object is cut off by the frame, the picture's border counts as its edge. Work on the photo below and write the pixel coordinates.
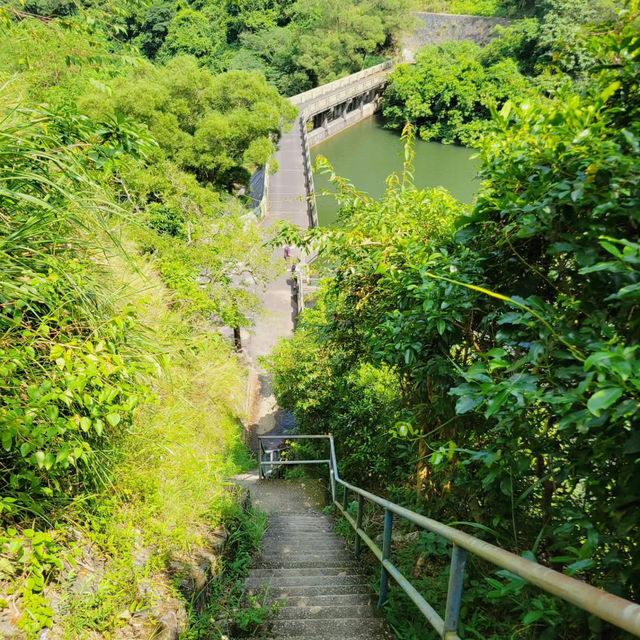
(287, 201)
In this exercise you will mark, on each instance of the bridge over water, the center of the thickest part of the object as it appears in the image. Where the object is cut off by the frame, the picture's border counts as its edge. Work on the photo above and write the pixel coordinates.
(288, 195)
(324, 111)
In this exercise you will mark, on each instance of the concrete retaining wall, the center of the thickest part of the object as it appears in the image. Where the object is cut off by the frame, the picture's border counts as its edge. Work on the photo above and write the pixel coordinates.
(259, 192)
(436, 28)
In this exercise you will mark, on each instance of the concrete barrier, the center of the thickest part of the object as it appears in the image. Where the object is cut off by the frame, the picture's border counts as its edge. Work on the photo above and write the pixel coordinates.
(437, 28)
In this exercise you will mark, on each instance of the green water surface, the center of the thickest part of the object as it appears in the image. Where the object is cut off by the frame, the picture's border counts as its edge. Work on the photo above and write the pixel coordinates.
(367, 153)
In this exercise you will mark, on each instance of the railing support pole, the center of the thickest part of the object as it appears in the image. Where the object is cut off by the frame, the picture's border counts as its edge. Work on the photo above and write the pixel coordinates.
(345, 499)
(356, 549)
(454, 593)
(386, 554)
(260, 454)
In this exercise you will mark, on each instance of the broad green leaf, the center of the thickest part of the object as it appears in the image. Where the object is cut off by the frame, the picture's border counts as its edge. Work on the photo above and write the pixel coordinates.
(113, 419)
(603, 399)
(39, 458)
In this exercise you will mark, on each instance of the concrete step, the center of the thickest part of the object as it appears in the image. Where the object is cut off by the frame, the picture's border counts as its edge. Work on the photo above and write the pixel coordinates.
(311, 559)
(318, 612)
(280, 592)
(359, 636)
(287, 563)
(304, 571)
(306, 581)
(299, 516)
(300, 523)
(339, 600)
(318, 529)
(317, 534)
(311, 554)
(320, 526)
(270, 547)
(340, 627)
(310, 536)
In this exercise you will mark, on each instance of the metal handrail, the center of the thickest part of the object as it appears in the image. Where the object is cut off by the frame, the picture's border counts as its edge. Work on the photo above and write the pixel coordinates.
(622, 613)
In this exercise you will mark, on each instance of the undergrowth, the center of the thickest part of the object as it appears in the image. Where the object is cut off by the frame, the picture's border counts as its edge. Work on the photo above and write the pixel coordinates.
(230, 612)
(106, 556)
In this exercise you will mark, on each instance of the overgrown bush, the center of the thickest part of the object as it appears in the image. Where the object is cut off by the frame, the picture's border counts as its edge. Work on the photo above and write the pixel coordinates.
(448, 94)
(513, 340)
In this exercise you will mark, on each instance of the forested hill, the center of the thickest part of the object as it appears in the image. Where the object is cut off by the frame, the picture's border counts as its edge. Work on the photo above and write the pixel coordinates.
(295, 44)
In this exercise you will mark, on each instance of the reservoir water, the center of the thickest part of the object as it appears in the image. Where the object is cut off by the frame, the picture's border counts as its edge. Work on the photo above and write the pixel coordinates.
(367, 153)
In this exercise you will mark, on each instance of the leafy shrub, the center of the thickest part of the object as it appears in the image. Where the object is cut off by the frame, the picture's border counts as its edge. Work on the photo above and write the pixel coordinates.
(166, 220)
(448, 94)
(514, 341)
(67, 387)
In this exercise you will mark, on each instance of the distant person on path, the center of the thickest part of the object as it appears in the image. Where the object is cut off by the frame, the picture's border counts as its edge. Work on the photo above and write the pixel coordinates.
(287, 253)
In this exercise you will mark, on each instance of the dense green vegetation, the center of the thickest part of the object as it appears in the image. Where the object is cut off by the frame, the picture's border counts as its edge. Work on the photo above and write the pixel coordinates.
(479, 365)
(126, 246)
(125, 250)
(471, 7)
(450, 91)
(482, 366)
(296, 44)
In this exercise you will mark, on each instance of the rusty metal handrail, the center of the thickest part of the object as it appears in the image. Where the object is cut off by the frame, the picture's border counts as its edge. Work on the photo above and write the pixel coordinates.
(621, 613)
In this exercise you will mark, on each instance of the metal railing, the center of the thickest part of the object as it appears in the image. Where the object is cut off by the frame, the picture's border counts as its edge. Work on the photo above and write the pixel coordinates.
(622, 613)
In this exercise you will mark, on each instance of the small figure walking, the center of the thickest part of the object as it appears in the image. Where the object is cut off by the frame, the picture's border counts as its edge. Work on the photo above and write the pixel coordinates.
(287, 252)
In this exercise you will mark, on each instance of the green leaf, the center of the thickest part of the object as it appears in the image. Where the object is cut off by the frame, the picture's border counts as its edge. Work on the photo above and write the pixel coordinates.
(39, 458)
(496, 402)
(113, 419)
(603, 399)
(85, 423)
(580, 565)
(6, 440)
(533, 616)
(467, 403)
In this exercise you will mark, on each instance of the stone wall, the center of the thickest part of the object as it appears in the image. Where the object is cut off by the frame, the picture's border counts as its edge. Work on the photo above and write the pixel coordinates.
(436, 28)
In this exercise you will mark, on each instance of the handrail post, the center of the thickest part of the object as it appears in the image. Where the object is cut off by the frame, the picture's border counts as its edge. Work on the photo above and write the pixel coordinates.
(345, 499)
(386, 554)
(356, 549)
(454, 592)
(260, 454)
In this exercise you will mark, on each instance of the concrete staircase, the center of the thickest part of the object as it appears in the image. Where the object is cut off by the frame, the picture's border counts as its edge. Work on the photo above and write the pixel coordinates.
(307, 568)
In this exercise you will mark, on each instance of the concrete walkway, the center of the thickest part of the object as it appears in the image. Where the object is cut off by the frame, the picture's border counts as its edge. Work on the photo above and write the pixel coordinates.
(287, 201)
